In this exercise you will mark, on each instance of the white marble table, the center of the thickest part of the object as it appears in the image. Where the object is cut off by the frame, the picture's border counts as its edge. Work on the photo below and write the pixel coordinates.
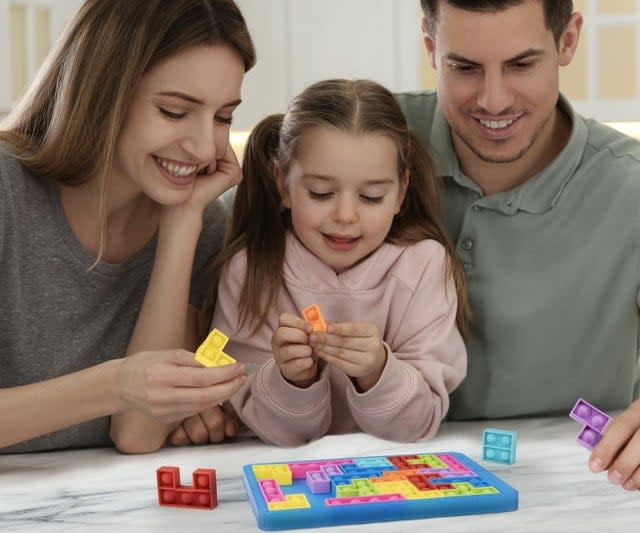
(103, 491)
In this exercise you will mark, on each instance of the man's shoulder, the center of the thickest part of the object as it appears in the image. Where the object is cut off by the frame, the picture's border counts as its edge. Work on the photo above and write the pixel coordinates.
(418, 103)
(610, 146)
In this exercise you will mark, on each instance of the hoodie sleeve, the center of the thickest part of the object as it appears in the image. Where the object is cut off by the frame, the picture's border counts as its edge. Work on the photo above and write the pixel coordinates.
(275, 410)
(426, 360)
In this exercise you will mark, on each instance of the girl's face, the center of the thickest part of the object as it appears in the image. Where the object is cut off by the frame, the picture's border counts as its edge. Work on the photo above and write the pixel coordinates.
(177, 124)
(343, 191)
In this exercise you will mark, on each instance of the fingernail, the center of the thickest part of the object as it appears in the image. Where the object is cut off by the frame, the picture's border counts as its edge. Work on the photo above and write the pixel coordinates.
(615, 477)
(629, 485)
(596, 465)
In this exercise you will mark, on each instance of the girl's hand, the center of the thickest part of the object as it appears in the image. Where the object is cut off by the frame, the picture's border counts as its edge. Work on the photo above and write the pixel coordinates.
(355, 348)
(292, 353)
(210, 426)
(171, 385)
(619, 450)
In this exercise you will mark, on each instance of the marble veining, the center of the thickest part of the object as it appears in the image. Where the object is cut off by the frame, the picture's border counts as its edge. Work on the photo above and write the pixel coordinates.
(103, 491)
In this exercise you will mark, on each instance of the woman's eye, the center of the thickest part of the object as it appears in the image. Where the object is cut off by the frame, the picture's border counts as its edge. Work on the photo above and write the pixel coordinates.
(169, 114)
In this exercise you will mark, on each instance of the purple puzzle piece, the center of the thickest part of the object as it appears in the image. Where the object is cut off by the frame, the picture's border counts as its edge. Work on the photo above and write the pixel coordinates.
(585, 413)
(588, 437)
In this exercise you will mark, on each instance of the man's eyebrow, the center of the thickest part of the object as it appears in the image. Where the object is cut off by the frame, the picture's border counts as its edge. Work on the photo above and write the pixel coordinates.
(194, 100)
(531, 52)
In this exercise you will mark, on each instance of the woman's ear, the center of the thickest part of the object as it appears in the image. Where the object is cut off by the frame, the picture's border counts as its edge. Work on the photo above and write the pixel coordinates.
(280, 179)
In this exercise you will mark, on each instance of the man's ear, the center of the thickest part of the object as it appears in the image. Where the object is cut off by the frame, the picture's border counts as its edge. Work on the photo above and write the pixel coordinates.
(568, 42)
(279, 177)
(429, 42)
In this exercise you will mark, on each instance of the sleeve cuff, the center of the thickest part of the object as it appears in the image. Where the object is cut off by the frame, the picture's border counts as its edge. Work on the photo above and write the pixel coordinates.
(289, 398)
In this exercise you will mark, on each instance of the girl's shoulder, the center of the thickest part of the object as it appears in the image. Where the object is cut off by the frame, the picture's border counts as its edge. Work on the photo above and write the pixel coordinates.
(411, 264)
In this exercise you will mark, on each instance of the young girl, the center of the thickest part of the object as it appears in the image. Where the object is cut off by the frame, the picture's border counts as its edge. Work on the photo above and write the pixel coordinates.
(339, 207)
(109, 168)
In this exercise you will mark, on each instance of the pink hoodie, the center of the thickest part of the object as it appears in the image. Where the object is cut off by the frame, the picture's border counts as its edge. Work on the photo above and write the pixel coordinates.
(402, 291)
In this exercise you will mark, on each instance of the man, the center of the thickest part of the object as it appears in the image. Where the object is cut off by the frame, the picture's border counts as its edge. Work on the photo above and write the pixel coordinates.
(544, 208)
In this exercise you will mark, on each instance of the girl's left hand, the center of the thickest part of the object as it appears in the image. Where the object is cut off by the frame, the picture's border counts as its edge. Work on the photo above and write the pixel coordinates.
(619, 450)
(355, 348)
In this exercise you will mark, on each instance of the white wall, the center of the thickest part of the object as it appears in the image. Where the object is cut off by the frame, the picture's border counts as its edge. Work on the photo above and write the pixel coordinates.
(298, 42)
(302, 41)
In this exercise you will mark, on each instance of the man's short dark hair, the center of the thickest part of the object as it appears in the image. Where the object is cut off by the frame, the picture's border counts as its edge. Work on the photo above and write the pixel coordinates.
(557, 13)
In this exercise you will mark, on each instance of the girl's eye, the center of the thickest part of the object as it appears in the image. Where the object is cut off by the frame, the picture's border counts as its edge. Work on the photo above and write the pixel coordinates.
(372, 199)
(320, 195)
(173, 116)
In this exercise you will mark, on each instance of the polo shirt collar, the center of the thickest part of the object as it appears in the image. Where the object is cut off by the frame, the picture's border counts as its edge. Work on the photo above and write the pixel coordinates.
(539, 193)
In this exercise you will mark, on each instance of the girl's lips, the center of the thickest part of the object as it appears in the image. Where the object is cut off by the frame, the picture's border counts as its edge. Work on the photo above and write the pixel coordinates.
(342, 244)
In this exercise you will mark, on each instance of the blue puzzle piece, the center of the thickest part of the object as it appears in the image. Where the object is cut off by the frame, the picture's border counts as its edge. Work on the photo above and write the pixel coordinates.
(499, 446)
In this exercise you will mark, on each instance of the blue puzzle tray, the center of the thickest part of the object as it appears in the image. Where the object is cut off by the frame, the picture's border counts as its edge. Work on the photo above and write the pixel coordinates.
(359, 490)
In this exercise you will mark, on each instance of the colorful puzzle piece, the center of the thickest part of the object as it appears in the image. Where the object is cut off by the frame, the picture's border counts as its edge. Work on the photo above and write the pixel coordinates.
(313, 315)
(361, 490)
(202, 495)
(593, 423)
(210, 353)
(499, 446)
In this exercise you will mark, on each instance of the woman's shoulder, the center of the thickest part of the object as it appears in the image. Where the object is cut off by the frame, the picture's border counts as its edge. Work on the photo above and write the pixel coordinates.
(14, 178)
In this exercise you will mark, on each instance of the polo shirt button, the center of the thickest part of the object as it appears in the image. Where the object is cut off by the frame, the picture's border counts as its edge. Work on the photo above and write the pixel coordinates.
(467, 244)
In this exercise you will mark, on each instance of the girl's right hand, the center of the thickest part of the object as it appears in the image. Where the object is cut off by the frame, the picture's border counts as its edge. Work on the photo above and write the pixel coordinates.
(292, 353)
(171, 385)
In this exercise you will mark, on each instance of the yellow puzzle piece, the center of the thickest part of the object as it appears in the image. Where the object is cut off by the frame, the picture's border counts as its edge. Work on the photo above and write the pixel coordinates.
(210, 353)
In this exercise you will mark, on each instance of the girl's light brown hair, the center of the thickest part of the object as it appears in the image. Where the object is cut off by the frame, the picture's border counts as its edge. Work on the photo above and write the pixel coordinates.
(259, 223)
(66, 126)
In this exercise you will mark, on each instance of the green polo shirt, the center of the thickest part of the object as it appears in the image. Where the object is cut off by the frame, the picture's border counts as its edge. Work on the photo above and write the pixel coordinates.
(553, 271)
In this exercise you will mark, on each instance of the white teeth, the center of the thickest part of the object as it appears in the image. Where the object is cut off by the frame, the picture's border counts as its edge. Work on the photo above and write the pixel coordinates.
(496, 124)
(177, 170)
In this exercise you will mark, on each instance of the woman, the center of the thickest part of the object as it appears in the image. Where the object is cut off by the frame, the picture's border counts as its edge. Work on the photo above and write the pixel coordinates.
(109, 168)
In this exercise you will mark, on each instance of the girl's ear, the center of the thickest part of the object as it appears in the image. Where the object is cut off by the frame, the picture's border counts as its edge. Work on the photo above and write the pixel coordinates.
(280, 184)
(404, 185)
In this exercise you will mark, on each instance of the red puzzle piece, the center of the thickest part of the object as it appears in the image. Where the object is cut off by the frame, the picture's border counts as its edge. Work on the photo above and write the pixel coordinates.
(202, 495)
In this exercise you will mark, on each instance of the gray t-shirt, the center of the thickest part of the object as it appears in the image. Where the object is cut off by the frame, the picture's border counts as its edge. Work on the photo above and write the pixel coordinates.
(553, 272)
(58, 317)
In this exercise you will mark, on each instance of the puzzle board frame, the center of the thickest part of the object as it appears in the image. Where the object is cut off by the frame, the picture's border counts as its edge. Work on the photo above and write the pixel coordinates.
(458, 486)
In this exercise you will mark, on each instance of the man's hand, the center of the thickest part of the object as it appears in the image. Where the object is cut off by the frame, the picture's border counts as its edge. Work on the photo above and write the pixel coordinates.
(619, 450)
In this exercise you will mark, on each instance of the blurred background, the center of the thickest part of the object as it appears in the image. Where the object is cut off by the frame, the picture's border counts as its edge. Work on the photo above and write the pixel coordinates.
(301, 41)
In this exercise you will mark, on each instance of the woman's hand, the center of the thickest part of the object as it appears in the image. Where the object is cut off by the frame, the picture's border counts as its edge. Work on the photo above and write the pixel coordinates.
(210, 426)
(171, 385)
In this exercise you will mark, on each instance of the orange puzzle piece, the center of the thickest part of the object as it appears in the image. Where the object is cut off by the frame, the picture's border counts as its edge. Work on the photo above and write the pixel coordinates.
(313, 315)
